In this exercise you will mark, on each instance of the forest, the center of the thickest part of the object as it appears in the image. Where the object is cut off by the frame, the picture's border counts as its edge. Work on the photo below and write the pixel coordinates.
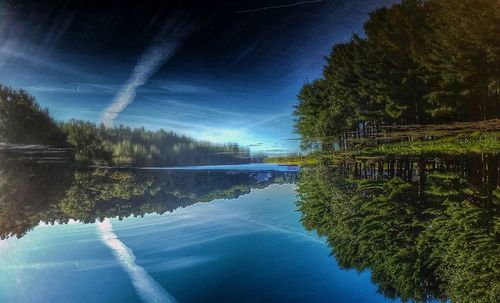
(417, 63)
(23, 121)
(425, 230)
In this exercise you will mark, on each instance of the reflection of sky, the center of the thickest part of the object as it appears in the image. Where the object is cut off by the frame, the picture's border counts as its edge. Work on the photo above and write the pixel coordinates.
(235, 78)
(252, 248)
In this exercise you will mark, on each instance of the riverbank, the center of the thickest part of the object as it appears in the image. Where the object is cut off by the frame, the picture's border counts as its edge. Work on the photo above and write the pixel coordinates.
(459, 144)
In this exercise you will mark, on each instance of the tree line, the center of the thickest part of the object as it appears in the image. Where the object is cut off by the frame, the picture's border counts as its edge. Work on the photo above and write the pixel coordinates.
(418, 62)
(23, 121)
(123, 145)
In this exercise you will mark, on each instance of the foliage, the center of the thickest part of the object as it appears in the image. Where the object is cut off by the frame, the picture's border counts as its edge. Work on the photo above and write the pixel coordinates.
(22, 120)
(86, 141)
(462, 144)
(123, 145)
(29, 194)
(434, 238)
(322, 114)
(419, 62)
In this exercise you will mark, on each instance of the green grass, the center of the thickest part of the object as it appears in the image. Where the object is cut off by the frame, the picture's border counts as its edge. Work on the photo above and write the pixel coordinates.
(294, 160)
(310, 159)
(461, 144)
(473, 143)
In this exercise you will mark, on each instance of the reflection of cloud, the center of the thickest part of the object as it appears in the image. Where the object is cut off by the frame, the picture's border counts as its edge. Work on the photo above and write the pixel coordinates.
(80, 265)
(286, 231)
(178, 263)
(36, 266)
(148, 289)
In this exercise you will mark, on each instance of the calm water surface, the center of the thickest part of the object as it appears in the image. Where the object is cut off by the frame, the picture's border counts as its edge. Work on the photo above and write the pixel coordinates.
(391, 230)
(225, 234)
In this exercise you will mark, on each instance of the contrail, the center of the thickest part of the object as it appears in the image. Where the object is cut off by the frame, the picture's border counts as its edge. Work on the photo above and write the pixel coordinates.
(150, 61)
(148, 289)
(278, 6)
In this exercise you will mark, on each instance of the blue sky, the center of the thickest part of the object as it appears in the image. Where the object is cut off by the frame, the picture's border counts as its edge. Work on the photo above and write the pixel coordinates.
(231, 77)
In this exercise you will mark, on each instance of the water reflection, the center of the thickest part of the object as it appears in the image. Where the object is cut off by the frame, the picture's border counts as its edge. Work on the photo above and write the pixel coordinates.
(425, 228)
(55, 192)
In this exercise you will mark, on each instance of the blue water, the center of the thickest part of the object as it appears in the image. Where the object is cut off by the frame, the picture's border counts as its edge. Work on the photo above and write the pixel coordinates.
(249, 249)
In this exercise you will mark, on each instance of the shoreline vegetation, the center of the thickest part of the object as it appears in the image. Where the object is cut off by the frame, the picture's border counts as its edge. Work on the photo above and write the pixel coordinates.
(459, 141)
(29, 130)
(423, 79)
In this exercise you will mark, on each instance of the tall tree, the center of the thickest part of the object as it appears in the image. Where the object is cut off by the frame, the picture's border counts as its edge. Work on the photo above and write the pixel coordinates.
(464, 51)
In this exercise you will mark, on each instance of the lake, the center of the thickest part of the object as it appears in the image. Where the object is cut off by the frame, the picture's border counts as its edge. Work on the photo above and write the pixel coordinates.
(390, 230)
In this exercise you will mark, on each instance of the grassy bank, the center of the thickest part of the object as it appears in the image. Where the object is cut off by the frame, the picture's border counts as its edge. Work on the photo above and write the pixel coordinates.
(477, 142)
(460, 144)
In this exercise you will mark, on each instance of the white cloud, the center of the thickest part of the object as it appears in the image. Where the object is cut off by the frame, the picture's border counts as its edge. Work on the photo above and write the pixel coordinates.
(150, 61)
(148, 64)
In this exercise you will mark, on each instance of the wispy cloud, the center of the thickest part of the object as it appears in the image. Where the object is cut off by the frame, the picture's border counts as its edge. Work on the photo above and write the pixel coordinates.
(13, 52)
(150, 61)
(74, 88)
(210, 123)
(206, 123)
(278, 6)
(191, 115)
(180, 87)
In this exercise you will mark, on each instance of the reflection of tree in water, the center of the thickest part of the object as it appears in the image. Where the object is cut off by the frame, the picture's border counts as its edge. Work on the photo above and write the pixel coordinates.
(99, 194)
(95, 193)
(29, 194)
(55, 193)
(428, 233)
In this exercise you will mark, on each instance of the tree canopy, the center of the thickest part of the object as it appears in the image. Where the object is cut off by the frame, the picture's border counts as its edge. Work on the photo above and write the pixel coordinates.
(22, 120)
(418, 62)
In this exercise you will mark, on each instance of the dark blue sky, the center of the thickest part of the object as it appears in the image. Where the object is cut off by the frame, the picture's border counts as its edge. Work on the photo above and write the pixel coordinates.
(215, 70)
